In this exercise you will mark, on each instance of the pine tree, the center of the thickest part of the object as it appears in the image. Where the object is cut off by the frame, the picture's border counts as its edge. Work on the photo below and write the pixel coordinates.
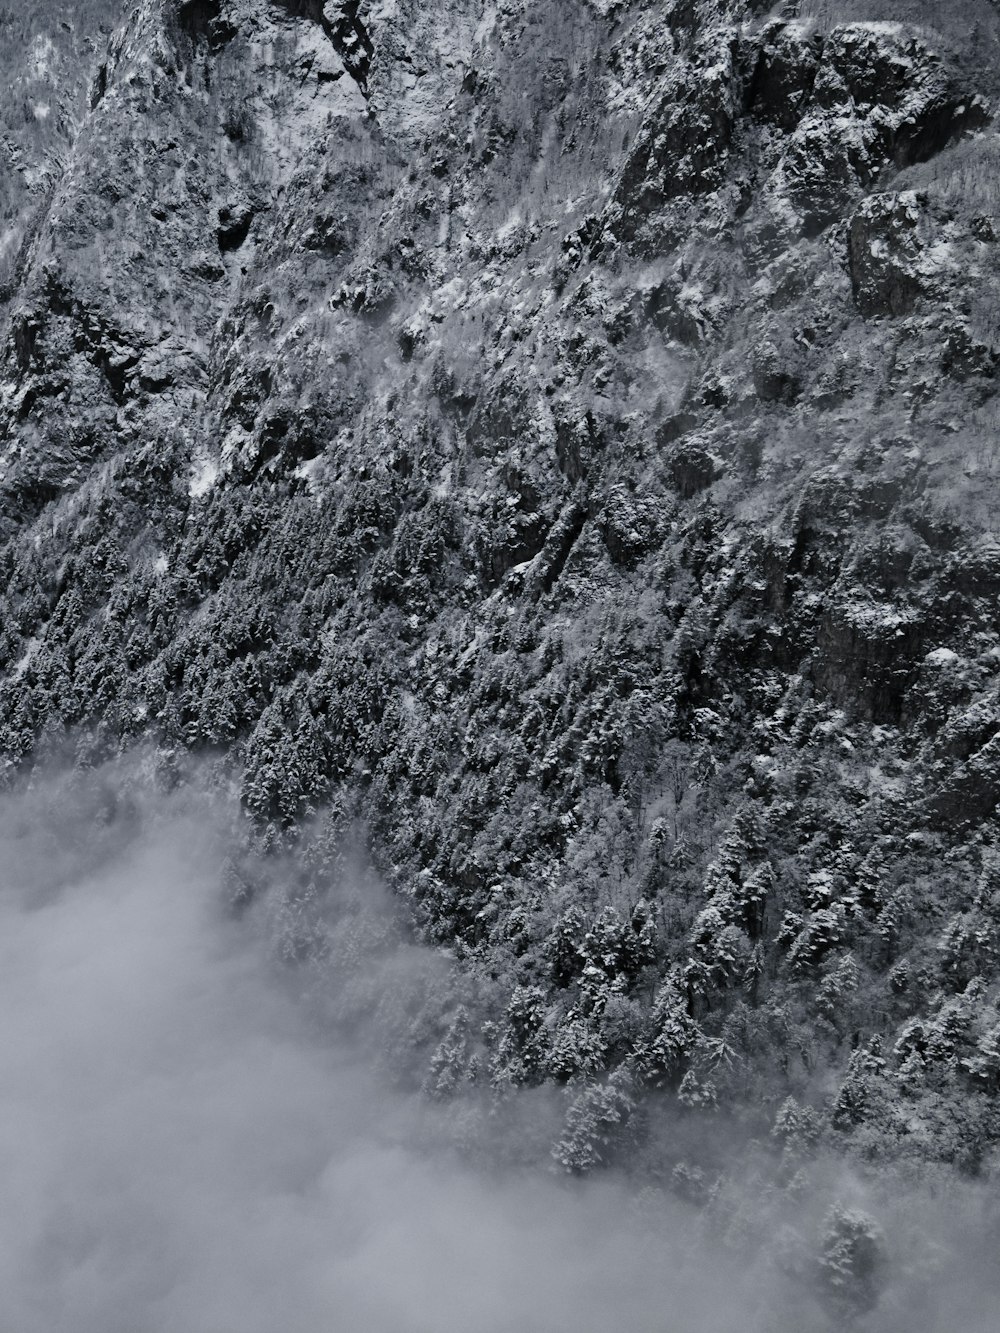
(596, 1120)
(851, 1261)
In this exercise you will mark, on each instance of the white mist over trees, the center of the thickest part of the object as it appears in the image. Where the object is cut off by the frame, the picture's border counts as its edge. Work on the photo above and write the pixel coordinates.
(183, 1149)
(191, 1143)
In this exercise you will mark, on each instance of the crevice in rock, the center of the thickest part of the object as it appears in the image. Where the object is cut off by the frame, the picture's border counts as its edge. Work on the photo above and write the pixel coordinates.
(353, 44)
(560, 543)
(100, 86)
(935, 128)
(235, 221)
(115, 373)
(24, 333)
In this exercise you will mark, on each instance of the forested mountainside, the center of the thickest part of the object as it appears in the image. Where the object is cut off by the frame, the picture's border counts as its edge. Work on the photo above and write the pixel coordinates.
(560, 440)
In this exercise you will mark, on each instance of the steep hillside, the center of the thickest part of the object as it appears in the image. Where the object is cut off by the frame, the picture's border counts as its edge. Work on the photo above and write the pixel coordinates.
(560, 439)
(49, 53)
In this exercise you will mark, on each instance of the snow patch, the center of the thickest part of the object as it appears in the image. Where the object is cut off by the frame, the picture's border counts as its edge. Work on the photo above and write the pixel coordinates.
(941, 657)
(879, 28)
(21, 666)
(486, 24)
(203, 477)
(43, 52)
(310, 471)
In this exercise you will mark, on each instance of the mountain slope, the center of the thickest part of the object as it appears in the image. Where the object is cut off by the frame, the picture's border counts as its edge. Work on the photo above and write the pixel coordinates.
(563, 440)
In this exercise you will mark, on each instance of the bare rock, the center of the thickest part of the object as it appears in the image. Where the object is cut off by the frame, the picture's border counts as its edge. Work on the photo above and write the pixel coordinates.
(887, 239)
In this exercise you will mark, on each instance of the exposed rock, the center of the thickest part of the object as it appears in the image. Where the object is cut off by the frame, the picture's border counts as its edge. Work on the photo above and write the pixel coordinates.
(235, 220)
(693, 468)
(888, 240)
(869, 654)
(878, 98)
(203, 22)
(682, 148)
(777, 377)
(786, 61)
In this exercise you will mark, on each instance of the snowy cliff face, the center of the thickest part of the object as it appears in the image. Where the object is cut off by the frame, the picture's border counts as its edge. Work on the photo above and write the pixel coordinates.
(563, 438)
(47, 60)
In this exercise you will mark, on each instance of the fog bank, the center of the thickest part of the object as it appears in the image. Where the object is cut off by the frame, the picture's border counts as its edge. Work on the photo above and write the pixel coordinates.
(187, 1149)
(183, 1153)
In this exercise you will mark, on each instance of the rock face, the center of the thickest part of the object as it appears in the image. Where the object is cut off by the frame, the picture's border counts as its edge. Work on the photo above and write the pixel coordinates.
(561, 438)
(51, 63)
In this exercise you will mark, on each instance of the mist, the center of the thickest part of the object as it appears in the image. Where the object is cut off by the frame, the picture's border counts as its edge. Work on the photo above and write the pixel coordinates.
(188, 1147)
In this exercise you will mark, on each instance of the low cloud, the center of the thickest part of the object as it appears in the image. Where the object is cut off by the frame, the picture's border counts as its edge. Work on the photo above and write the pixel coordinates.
(185, 1148)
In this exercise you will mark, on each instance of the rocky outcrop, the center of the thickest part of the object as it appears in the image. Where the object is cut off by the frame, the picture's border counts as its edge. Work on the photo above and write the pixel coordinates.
(682, 148)
(203, 23)
(888, 241)
(822, 115)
